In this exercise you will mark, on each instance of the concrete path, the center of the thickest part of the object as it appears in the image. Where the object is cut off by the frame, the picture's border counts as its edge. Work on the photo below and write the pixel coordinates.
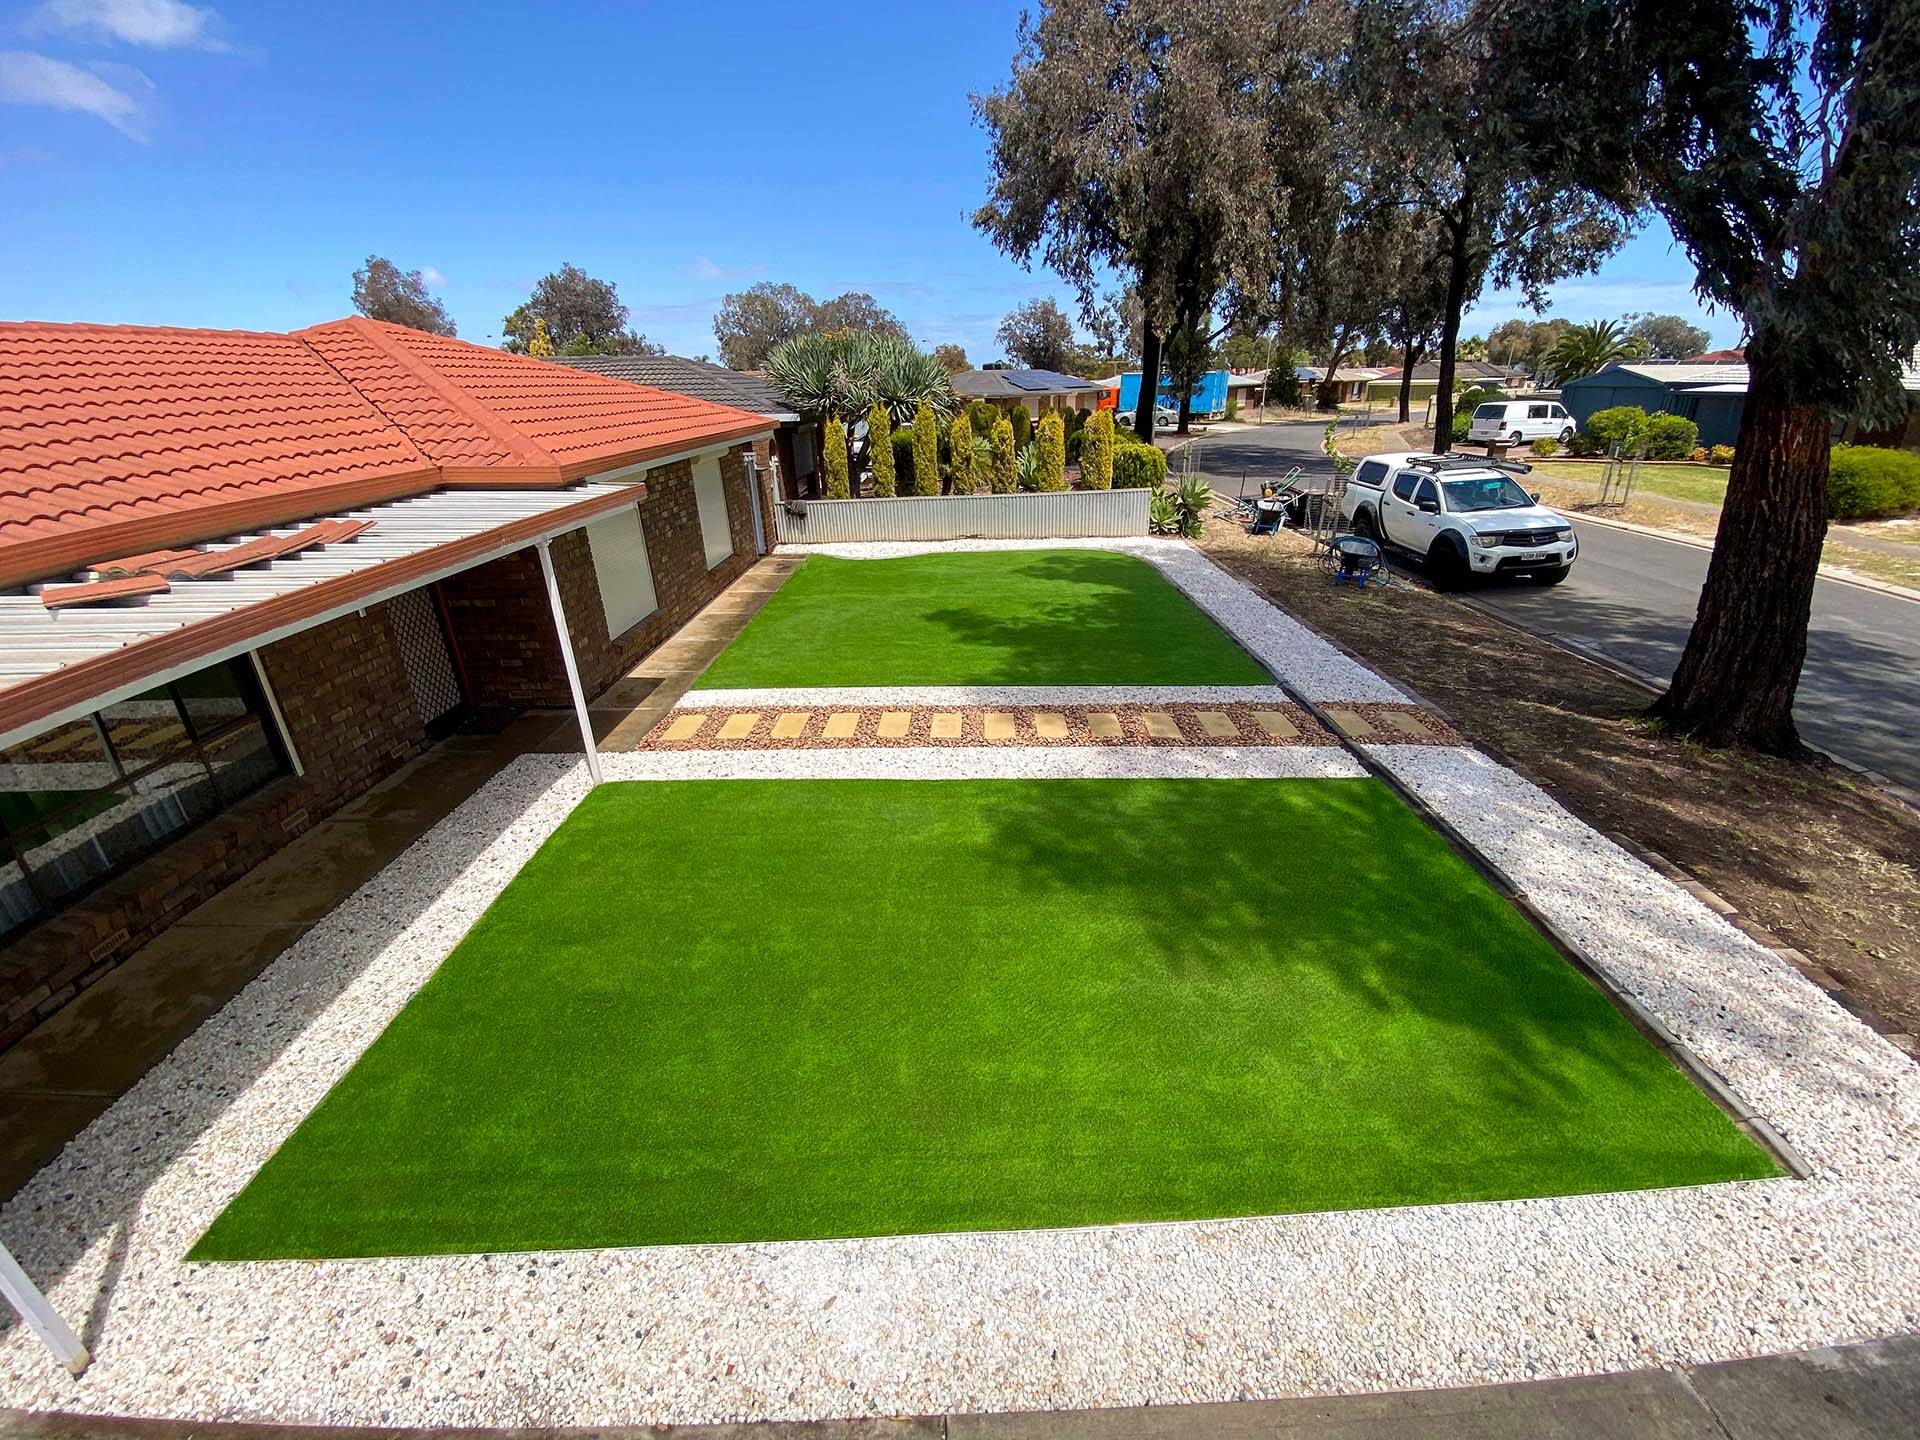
(1855, 1392)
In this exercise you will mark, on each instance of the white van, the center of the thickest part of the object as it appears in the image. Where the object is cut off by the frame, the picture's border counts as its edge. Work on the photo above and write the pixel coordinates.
(1514, 422)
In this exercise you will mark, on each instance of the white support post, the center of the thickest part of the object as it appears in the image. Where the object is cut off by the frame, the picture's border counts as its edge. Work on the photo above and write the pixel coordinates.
(41, 1317)
(566, 659)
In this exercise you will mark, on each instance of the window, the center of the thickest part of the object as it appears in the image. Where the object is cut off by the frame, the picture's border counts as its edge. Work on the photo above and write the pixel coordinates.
(710, 496)
(1371, 472)
(1403, 485)
(1536, 412)
(1558, 413)
(1490, 412)
(88, 798)
(619, 547)
(1426, 494)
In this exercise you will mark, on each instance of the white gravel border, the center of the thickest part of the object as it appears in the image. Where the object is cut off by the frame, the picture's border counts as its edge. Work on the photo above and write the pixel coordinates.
(993, 762)
(906, 696)
(1119, 1315)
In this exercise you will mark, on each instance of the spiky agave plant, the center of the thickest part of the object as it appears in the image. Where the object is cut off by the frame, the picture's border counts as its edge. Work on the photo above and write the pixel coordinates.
(845, 374)
(807, 369)
(902, 377)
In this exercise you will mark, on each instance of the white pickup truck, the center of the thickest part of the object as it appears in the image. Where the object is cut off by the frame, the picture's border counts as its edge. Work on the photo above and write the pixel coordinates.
(1463, 516)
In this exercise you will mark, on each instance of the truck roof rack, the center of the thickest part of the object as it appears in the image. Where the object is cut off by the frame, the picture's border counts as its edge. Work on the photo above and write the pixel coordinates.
(1437, 463)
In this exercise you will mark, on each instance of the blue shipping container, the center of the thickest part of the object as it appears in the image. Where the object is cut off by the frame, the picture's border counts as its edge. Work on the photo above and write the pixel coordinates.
(1209, 393)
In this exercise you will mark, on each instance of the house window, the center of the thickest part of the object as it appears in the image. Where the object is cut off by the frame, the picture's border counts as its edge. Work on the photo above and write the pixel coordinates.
(710, 496)
(619, 547)
(89, 798)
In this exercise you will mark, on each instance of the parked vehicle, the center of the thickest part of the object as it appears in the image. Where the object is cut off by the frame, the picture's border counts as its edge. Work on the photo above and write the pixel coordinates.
(1462, 516)
(1163, 418)
(1514, 422)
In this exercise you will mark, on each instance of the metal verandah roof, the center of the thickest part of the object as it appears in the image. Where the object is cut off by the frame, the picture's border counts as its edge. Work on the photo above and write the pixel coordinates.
(55, 664)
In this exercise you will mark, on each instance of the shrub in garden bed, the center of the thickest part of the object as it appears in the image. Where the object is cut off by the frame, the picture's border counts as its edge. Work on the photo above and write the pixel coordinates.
(960, 454)
(1137, 466)
(926, 451)
(1096, 452)
(1671, 437)
(1865, 482)
(1003, 475)
(1543, 447)
(880, 448)
(1720, 455)
(834, 462)
(1050, 446)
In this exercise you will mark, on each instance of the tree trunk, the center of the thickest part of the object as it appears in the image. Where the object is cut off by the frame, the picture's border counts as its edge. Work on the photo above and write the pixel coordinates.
(1328, 395)
(1149, 382)
(1410, 354)
(1458, 270)
(1737, 678)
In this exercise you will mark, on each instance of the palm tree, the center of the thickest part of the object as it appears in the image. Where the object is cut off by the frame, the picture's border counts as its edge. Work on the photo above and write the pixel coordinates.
(1585, 349)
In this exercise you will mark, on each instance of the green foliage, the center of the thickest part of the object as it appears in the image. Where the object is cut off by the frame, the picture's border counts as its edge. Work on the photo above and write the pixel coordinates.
(880, 448)
(1163, 516)
(1193, 499)
(926, 451)
(981, 415)
(1022, 428)
(1003, 477)
(1233, 407)
(1671, 437)
(1330, 444)
(1096, 452)
(847, 372)
(835, 460)
(1026, 467)
(1544, 446)
(1865, 482)
(1722, 455)
(903, 462)
(1585, 443)
(961, 450)
(383, 291)
(1137, 466)
(1050, 445)
(1622, 425)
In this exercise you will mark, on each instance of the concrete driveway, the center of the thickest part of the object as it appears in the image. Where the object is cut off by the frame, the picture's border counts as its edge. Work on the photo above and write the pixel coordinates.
(1632, 598)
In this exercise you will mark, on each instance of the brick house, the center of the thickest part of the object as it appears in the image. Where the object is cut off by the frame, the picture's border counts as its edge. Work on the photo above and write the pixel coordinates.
(244, 576)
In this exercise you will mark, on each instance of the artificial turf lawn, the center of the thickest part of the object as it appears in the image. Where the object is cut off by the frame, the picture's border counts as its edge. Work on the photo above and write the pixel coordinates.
(745, 1010)
(989, 617)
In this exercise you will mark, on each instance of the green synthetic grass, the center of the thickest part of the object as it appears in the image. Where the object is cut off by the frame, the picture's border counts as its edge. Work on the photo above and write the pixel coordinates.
(741, 1010)
(993, 617)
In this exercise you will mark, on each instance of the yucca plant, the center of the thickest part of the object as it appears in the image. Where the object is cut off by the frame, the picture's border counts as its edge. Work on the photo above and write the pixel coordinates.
(1026, 468)
(846, 374)
(1163, 516)
(1193, 499)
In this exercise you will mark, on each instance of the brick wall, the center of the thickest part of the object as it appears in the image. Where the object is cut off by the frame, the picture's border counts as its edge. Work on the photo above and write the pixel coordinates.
(343, 691)
(351, 716)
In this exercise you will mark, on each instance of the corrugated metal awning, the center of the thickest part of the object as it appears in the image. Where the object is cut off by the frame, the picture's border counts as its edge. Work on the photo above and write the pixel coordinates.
(58, 664)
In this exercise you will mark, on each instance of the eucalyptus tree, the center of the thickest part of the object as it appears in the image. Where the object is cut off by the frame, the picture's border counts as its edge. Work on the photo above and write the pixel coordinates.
(1780, 140)
(1132, 137)
(1434, 74)
(383, 291)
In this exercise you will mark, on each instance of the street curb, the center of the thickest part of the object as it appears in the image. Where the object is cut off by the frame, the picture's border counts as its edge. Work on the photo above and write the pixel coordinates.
(1878, 587)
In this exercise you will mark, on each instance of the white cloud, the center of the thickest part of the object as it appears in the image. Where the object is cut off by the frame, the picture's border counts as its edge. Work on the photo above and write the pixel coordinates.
(107, 93)
(705, 269)
(155, 24)
(433, 277)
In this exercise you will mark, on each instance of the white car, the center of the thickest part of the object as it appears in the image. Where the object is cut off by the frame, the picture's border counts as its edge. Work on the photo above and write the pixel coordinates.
(1163, 418)
(1463, 517)
(1514, 422)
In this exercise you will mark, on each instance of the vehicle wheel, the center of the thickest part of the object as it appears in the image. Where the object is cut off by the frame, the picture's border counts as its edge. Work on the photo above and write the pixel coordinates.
(1554, 577)
(1363, 525)
(1566, 436)
(1447, 565)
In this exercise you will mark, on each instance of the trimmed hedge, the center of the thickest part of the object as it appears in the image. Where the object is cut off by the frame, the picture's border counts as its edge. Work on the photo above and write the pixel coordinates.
(1004, 476)
(1671, 437)
(1022, 429)
(1050, 473)
(960, 449)
(1137, 466)
(835, 460)
(1096, 452)
(1865, 482)
(926, 451)
(880, 448)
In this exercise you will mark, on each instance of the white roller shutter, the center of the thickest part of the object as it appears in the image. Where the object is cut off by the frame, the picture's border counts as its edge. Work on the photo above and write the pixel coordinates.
(711, 498)
(619, 547)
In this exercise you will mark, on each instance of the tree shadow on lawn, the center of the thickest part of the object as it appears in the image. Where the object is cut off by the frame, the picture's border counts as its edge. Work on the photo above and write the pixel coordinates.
(1103, 617)
(1394, 919)
(69, 1206)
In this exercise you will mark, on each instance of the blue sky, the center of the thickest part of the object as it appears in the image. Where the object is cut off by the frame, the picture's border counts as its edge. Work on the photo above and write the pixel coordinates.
(230, 165)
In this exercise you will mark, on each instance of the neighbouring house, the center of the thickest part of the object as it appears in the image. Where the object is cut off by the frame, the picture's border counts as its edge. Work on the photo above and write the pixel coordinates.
(1035, 391)
(1719, 357)
(1712, 394)
(791, 452)
(245, 575)
(1384, 388)
(1352, 381)
(1247, 389)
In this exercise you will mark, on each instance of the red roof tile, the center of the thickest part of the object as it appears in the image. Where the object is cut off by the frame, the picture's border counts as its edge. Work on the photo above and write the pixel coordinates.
(145, 438)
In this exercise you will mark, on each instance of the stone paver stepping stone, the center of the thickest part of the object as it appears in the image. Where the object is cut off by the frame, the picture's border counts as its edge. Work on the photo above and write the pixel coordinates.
(895, 723)
(1050, 725)
(1162, 726)
(1408, 724)
(1218, 726)
(738, 727)
(686, 727)
(1277, 725)
(843, 726)
(1104, 725)
(791, 725)
(947, 727)
(1350, 723)
(998, 725)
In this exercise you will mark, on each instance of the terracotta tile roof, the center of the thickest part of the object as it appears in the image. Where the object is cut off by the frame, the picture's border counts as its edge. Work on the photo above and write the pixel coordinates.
(116, 439)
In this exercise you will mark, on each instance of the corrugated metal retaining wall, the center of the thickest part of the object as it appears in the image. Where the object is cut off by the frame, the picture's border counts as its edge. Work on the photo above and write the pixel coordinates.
(1053, 515)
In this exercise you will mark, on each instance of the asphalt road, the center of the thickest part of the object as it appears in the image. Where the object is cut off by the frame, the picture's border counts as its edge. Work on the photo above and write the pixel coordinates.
(1632, 597)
